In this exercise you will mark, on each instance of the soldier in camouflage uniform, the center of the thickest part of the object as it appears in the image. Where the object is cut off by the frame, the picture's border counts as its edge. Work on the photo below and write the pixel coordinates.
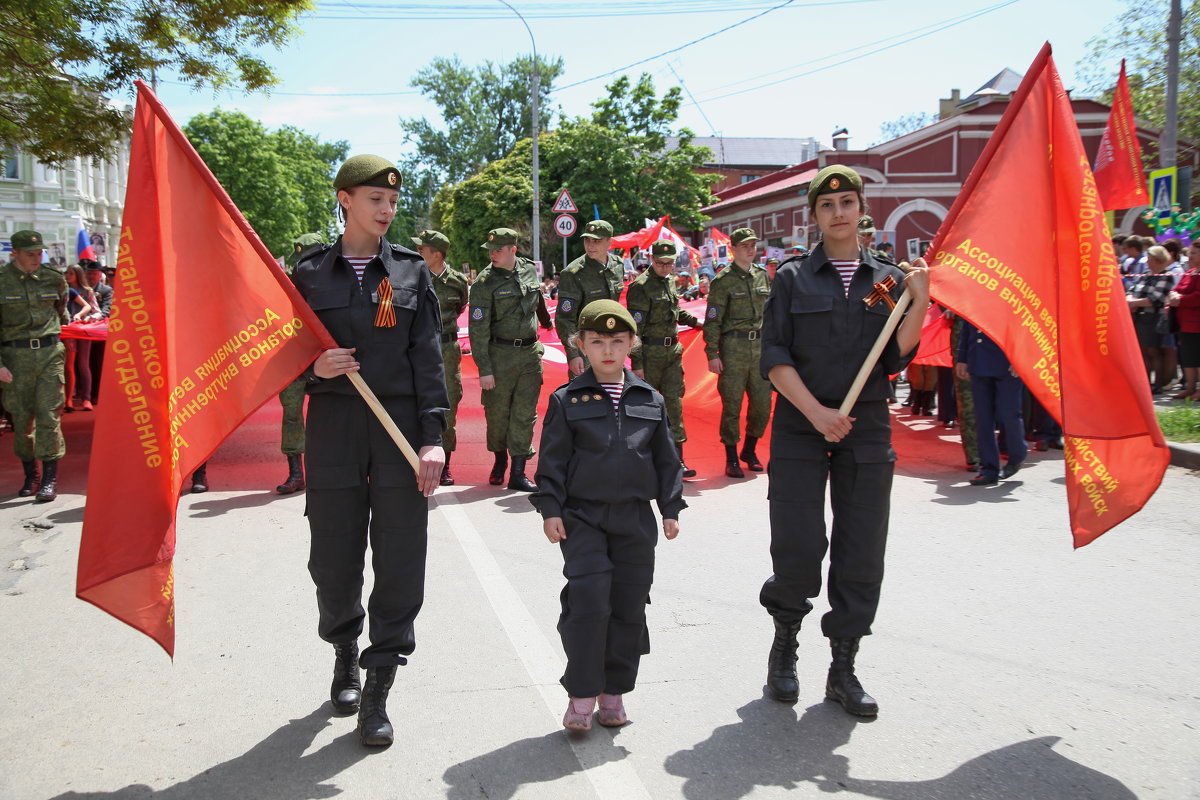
(659, 361)
(33, 302)
(506, 308)
(732, 325)
(451, 288)
(596, 275)
(866, 238)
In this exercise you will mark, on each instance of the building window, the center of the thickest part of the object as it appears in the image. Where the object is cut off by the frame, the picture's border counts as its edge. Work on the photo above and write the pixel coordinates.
(748, 178)
(9, 165)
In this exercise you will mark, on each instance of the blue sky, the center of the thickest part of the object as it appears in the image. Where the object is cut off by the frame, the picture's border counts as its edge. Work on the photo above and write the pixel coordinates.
(842, 63)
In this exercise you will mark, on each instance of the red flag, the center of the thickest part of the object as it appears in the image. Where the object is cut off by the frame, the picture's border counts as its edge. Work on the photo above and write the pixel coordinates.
(1025, 254)
(1119, 176)
(719, 237)
(934, 349)
(205, 327)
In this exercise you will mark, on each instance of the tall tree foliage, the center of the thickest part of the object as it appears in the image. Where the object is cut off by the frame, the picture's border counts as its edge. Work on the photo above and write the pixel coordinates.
(60, 61)
(282, 181)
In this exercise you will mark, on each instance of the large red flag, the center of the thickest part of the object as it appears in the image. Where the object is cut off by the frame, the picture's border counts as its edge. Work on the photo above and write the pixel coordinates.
(1119, 177)
(205, 327)
(1025, 254)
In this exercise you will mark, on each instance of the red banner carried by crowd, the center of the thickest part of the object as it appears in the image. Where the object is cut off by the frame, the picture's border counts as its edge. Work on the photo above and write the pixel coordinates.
(1025, 254)
(191, 353)
(1119, 178)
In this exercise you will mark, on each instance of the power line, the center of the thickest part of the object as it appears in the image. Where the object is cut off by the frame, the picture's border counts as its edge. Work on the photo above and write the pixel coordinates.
(331, 95)
(556, 10)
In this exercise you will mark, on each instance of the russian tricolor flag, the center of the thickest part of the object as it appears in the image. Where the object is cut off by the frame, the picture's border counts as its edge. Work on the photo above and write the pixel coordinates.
(83, 243)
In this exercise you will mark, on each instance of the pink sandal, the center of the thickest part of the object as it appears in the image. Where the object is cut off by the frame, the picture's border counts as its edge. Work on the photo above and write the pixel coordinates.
(579, 714)
(612, 711)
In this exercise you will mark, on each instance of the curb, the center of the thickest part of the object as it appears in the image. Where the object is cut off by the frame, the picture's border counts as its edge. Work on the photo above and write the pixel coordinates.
(1185, 455)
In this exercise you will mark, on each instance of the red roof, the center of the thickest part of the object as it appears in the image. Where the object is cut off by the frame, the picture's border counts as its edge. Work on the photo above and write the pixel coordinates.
(786, 181)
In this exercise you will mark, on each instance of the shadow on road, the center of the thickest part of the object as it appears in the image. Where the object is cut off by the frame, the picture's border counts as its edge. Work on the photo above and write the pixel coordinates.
(274, 769)
(771, 747)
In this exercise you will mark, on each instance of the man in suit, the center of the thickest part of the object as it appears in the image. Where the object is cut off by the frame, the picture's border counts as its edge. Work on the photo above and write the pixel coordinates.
(996, 390)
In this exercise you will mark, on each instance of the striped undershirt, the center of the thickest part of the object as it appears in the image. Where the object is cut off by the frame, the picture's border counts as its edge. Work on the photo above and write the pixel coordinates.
(846, 269)
(614, 393)
(360, 266)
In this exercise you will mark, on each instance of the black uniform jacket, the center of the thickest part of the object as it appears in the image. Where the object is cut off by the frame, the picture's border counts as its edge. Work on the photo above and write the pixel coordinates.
(589, 453)
(813, 324)
(404, 360)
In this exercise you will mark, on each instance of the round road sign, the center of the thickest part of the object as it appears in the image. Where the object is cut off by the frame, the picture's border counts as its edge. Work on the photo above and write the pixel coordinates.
(564, 225)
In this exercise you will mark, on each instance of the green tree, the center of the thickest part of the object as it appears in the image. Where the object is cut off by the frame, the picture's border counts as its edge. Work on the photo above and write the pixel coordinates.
(282, 181)
(1139, 36)
(907, 123)
(60, 61)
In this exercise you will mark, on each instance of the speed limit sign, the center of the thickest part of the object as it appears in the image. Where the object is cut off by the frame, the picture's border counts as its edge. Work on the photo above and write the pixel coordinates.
(564, 225)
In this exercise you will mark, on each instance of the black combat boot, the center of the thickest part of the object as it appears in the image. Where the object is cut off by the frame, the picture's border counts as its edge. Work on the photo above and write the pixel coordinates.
(374, 727)
(295, 478)
(749, 456)
(732, 468)
(47, 491)
(447, 478)
(843, 685)
(499, 468)
(781, 663)
(517, 479)
(688, 472)
(346, 691)
(200, 479)
(31, 479)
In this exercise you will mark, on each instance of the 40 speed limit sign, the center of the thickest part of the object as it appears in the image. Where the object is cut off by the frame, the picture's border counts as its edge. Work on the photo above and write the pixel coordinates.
(564, 225)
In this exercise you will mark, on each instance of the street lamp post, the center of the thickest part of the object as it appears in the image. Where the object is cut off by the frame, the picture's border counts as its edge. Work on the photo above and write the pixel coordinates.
(537, 238)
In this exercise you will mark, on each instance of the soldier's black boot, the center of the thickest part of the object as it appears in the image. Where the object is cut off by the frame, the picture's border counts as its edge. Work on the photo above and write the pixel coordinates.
(447, 478)
(843, 685)
(200, 479)
(782, 683)
(31, 479)
(295, 478)
(732, 468)
(517, 479)
(346, 691)
(374, 727)
(47, 491)
(688, 472)
(499, 468)
(749, 456)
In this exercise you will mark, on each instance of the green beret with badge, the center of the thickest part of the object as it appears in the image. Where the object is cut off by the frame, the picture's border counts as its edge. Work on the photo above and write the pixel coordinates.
(500, 237)
(597, 229)
(743, 235)
(834, 178)
(367, 170)
(606, 316)
(28, 240)
(435, 239)
(307, 240)
(866, 225)
(663, 248)
(772, 260)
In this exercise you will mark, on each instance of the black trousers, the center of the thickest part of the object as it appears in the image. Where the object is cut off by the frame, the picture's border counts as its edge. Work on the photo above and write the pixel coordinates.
(608, 560)
(858, 470)
(360, 489)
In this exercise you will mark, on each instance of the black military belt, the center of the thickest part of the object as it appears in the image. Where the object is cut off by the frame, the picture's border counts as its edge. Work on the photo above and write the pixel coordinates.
(751, 335)
(668, 341)
(449, 337)
(515, 342)
(31, 344)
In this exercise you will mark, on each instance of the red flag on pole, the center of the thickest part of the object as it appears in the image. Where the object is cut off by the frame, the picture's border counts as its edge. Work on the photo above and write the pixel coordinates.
(205, 328)
(1119, 176)
(1026, 255)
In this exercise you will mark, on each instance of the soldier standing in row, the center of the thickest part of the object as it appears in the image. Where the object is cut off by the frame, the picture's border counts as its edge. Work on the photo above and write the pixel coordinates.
(451, 288)
(659, 361)
(732, 326)
(596, 275)
(506, 308)
(33, 301)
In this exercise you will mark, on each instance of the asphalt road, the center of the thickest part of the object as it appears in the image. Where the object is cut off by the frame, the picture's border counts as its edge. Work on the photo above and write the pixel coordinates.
(1006, 664)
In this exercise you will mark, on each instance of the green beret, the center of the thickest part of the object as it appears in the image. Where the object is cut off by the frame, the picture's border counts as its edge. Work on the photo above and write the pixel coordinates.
(500, 237)
(434, 239)
(597, 229)
(607, 316)
(772, 260)
(28, 240)
(743, 235)
(664, 248)
(307, 240)
(834, 178)
(367, 171)
(866, 225)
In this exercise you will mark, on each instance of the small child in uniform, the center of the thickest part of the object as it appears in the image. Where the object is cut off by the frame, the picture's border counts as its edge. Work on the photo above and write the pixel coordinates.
(606, 452)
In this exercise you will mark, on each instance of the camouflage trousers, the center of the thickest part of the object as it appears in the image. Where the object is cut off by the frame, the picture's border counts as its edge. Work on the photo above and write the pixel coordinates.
(452, 360)
(663, 368)
(35, 400)
(966, 405)
(292, 433)
(511, 408)
(740, 378)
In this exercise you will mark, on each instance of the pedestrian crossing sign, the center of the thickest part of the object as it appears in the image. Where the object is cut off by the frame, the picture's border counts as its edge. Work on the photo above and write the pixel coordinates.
(564, 204)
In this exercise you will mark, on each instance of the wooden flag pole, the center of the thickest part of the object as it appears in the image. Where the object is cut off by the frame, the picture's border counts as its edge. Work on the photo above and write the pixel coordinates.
(386, 419)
